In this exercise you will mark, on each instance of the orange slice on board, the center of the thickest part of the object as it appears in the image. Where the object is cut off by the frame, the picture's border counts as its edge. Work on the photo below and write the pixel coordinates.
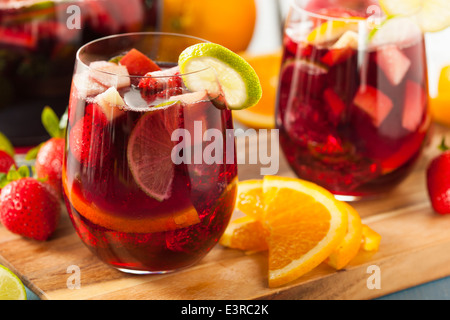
(350, 245)
(164, 222)
(370, 239)
(245, 233)
(305, 224)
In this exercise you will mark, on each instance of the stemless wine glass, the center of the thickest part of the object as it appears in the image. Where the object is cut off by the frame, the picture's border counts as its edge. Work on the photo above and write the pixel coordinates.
(352, 105)
(139, 183)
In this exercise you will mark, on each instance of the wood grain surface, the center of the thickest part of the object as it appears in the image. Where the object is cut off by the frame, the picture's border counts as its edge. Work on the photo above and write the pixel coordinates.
(415, 249)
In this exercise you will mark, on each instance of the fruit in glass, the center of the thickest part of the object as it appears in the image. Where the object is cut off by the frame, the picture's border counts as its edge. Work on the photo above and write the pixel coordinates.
(132, 205)
(352, 104)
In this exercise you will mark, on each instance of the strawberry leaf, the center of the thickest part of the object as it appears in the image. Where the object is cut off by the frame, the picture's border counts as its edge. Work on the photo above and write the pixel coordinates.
(443, 146)
(51, 123)
(32, 153)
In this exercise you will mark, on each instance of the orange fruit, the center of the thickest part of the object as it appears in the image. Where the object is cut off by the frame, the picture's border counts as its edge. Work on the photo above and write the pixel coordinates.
(245, 233)
(229, 23)
(169, 221)
(305, 225)
(249, 199)
(262, 115)
(440, 105)
(351, 244)
(370, 239)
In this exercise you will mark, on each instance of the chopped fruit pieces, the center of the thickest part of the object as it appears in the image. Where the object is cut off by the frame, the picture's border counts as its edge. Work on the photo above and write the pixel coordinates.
(374, 102)
(336, 104)
(348, 40)
(190, 98)
(415, 101)
(331, 31)
(109, 74)
(157, 81)
(138, 64)
(111, 103)
(394, 63)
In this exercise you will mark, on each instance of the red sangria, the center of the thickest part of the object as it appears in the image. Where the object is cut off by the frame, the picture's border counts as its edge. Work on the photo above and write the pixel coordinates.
(353, 96)
(136, 193)
(38, 43)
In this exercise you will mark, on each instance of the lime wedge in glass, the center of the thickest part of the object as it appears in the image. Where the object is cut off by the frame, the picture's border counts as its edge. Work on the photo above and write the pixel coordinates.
(223, 70)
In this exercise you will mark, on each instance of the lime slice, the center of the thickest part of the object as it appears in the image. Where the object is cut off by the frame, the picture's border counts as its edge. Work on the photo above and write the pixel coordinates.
(11, 288)
(149, 155)
(237, 79)
(5, 145)
(432, 15)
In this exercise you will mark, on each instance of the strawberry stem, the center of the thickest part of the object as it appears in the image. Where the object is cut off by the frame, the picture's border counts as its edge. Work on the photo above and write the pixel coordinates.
(443, 146)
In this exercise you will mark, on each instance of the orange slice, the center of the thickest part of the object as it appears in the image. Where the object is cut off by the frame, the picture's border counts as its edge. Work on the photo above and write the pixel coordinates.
(350, 245)
(370, 239)
(305, 225)
(168, 221)
(245, 233)
(249, 199)
(262, 115)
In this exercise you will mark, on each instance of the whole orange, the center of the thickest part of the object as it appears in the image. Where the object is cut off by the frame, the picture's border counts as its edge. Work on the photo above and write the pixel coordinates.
(229, 23)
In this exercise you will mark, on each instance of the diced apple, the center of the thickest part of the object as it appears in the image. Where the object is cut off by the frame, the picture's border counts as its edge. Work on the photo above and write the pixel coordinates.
(109, 74)
(137, 63)
(374, 102)
(413, 110)
(191, 98)
(348, 40)
(86, 86)
(111, 103)
(335, 102)
(394, 63)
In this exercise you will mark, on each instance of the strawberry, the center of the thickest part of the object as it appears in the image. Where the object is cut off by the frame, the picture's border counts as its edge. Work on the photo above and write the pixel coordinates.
(6, 162)
(30, 208)
(49, 162)
(49, 154)
(137, 63)
(438, 181)
(86, 136)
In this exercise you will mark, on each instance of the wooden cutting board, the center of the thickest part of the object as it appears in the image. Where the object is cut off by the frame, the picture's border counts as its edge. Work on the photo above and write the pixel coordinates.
(415, 249)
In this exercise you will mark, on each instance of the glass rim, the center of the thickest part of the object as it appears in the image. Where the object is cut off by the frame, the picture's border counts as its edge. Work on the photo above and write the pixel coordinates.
(295, 5)
(25, 3)
(142, 33)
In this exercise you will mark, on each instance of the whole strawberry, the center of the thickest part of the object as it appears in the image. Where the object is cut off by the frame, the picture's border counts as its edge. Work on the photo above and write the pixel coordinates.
(438, 181)
(49, 154)
(30, 208)
(49, 161)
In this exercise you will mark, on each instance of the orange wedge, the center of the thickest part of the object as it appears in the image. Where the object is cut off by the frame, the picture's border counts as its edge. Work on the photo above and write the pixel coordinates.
(168, 221)
(262, 115)
(440, 105)
(370, 239)
(245, 233)
(249, 199)
(350, 245)
(305, 225)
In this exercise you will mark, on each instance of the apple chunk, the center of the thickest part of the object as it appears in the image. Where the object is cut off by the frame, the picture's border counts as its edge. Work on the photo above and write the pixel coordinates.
(111, 103)
(374, 102)
(413, 110)
(394, 63)
(110, 74)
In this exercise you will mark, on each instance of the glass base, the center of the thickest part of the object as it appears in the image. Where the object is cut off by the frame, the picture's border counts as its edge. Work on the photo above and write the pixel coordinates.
(143, 272)
(348, 198)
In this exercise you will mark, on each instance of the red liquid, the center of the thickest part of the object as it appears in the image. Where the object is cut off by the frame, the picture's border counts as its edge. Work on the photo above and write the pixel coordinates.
(127, 232)
(328, 131)
(37, 54)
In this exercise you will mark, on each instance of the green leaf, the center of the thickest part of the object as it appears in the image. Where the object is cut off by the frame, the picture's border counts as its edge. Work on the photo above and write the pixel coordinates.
(32, 153)
(24, 172)
(443, 146)
(6, 145)
(3, 180)
(51, 122)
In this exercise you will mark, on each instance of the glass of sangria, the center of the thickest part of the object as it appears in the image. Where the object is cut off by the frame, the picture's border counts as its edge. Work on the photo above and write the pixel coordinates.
(38, 43)
(352, 106)
(137, 193)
